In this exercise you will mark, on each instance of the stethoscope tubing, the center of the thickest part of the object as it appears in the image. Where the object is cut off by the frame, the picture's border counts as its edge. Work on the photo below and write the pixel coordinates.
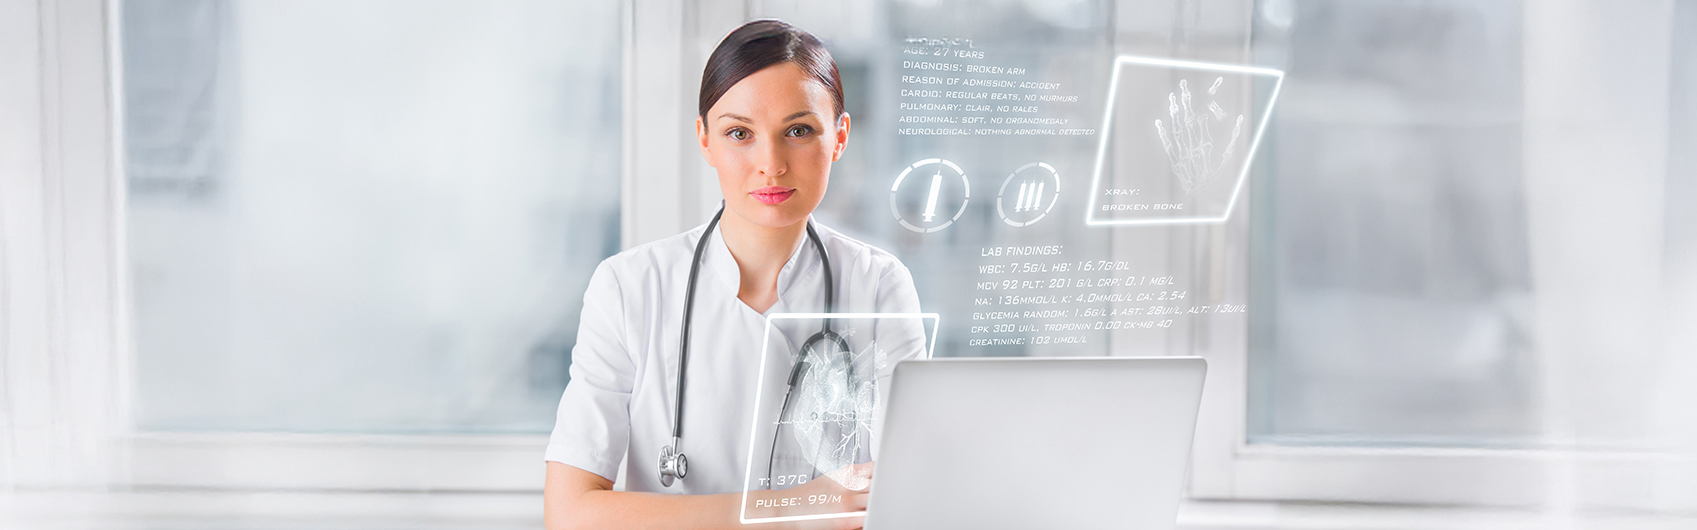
(683, 341)
(675, 450)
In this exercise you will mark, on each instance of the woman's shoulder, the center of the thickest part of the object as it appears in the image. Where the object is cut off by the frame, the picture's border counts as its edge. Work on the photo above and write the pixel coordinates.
(883, 283)
(654, 258)
(859, 256)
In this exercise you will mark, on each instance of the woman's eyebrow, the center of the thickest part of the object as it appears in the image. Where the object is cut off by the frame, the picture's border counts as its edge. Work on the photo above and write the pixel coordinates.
(745, 119)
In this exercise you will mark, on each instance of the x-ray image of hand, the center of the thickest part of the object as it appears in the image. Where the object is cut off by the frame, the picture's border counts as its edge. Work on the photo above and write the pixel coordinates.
(1189, 136)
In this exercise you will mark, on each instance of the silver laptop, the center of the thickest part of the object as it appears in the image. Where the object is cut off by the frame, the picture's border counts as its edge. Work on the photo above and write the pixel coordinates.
(1076, 442)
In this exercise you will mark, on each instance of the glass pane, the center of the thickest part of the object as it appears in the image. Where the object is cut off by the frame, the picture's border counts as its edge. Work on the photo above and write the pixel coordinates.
(1681, 224)
(1389, 275)
(372, 216)
(978, 129)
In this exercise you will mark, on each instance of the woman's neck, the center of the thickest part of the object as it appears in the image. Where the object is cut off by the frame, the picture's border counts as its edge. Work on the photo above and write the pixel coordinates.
(760, 253)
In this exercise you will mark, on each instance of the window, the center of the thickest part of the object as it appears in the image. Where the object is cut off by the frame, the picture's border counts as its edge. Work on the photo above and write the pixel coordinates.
(1391, 284)
(1453, 251)
(376, 217)
(1459, 267)
(1456, 251)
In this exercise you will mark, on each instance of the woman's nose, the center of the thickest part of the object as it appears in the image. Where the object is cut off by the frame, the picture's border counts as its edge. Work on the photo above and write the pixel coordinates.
(769, 159)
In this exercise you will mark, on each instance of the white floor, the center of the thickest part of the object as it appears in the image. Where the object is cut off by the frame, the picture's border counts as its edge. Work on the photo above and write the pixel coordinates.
(210, 510)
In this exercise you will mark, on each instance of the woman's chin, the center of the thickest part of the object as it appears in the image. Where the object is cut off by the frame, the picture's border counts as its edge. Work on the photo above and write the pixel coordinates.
(779, 215)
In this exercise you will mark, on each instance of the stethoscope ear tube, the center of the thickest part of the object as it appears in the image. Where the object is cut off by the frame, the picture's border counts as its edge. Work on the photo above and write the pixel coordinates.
(673, 464)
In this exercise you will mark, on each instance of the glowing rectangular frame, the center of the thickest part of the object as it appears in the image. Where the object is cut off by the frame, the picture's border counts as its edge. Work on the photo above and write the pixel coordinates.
(1108, 120)
(754, 422)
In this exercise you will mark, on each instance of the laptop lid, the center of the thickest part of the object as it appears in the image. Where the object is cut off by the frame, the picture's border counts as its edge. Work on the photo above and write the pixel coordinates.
(1076, 442)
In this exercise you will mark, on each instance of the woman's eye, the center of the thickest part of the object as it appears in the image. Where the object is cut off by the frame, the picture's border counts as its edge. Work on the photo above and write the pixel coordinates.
(739, 134)
(800, 130)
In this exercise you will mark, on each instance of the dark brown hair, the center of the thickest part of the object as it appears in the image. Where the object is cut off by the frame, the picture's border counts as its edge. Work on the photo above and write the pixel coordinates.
(763, 43)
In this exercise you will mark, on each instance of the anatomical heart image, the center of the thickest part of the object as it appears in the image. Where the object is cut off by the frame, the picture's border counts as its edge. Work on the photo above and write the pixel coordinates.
(818, 408)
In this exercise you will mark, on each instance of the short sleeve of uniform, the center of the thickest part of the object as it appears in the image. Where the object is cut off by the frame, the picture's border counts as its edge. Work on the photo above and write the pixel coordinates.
(904, 338)
(592, 427)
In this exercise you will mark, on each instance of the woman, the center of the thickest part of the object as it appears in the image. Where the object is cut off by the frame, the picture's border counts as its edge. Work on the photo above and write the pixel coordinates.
(771, 122)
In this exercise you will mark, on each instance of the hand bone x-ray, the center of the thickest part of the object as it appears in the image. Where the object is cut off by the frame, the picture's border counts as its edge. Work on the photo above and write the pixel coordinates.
(1178, 139)
(1189, 139)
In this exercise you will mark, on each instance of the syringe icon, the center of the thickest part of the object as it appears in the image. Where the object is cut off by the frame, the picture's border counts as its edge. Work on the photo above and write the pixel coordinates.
(931, 203)
(1030, 196)
(930, 218)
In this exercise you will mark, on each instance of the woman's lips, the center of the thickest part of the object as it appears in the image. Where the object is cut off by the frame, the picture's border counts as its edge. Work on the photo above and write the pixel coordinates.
(772, 194)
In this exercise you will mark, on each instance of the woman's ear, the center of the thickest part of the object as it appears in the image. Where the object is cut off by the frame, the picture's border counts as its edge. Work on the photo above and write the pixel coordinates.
(842, 137)
(701, 140)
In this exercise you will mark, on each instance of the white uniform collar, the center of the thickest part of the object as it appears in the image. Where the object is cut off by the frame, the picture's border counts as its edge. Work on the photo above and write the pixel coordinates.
(802, 268)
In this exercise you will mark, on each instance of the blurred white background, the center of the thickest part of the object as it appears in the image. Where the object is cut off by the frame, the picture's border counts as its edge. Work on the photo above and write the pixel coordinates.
(318, 264)
(390, 210)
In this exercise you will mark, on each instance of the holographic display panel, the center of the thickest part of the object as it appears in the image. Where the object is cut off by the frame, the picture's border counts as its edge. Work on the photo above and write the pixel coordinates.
(1059, 183)
(819, 409)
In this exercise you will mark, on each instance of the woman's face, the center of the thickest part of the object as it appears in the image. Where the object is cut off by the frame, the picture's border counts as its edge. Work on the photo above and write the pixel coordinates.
(773, 137)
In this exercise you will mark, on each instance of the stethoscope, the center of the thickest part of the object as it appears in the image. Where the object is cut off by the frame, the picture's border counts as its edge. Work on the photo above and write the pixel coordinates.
(673, 464)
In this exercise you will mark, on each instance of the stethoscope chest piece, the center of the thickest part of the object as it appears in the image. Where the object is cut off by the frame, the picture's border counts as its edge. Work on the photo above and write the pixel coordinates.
(673, 464)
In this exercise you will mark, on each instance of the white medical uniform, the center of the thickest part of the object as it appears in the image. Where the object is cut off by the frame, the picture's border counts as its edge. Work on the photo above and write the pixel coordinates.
(625, 364)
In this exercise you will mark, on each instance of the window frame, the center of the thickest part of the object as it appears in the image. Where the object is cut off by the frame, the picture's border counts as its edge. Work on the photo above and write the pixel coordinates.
(1224, 466)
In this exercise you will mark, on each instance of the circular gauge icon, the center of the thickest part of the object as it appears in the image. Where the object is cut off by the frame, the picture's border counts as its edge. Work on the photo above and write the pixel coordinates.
(929, 195)
(1028, 194)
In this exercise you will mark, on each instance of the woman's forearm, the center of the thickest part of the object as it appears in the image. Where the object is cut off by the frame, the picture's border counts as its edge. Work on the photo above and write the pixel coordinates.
(624, 509)
(577, 499)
